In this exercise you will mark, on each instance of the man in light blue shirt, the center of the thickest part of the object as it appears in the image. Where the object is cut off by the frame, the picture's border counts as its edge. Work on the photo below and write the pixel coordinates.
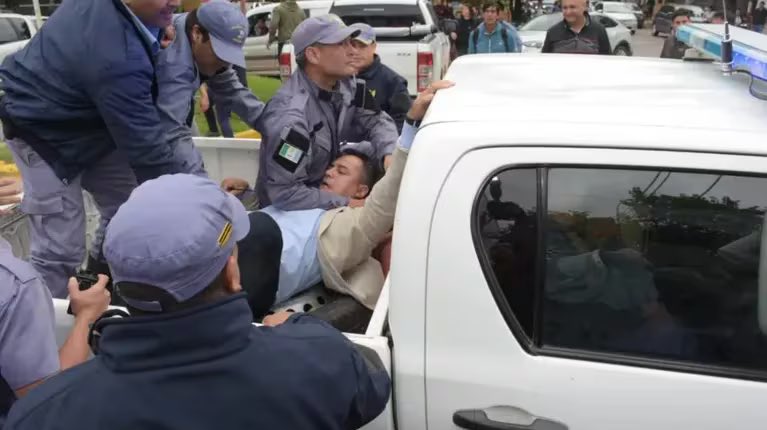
(329, 245)
(494, 35)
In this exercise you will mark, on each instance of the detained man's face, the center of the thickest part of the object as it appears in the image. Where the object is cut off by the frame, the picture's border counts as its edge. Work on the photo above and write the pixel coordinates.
(345, 177)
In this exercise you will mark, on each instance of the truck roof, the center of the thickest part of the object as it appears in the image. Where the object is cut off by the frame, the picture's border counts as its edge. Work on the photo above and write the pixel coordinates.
(605, 91)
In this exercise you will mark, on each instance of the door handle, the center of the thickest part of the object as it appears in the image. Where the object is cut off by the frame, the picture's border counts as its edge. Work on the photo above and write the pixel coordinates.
(478, 419)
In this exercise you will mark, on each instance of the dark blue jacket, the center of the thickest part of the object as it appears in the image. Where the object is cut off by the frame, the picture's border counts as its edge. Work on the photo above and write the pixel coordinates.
(210, 368)
(389, 89)
(84, 85)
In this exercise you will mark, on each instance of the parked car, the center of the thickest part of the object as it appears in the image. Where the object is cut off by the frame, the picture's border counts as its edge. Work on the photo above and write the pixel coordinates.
(534, 33)
(662, 21)
(260, 59)
(619, 11)
(15, 31)
(408, 37)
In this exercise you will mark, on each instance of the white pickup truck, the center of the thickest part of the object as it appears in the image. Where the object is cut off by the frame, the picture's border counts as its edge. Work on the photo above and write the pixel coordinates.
(571, 256)
(407, 34)
(15, 31)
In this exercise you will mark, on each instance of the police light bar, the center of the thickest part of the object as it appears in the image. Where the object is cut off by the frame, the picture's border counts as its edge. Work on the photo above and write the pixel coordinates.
(749, 48)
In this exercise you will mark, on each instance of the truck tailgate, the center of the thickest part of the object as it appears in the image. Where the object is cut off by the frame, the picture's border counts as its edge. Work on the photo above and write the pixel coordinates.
(402, 57)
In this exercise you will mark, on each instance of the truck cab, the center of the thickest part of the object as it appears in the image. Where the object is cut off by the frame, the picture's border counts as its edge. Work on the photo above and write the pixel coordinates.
(576, 250)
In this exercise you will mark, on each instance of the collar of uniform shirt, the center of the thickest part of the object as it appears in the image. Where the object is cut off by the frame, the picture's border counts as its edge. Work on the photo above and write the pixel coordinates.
(151, 33)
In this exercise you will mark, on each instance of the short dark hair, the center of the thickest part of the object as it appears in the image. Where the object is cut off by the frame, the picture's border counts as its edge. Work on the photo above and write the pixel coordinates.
(490, 4)
(191, 21)
(149, 293)
(680, 12)
(371, 172)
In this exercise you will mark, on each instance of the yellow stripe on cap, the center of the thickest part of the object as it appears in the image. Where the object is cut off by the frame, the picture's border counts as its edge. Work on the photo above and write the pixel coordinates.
(226, 233)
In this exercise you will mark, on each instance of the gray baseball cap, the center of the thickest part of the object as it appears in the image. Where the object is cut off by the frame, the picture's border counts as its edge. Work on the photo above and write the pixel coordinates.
(367, 34)
(175, 233)
(325, 29)
(363, 148)
(228, 29)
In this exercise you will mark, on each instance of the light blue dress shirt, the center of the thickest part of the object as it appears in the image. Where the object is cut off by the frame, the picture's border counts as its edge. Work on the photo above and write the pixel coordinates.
(151, 33)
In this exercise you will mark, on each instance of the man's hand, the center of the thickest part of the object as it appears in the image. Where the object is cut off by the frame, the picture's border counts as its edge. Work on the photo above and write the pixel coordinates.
(453, 36)
(10, 191)
(204, 101)
(91, 303)
(422, 102)
(236, 186)
(387, 162)
(274, 320)
(168, 36)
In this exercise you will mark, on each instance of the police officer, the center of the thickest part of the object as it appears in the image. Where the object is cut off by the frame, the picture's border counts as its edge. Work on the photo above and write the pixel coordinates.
(27, 340)
(208, 40)
(386, 85)
(320, 106)
(80, 113)
(192, 359)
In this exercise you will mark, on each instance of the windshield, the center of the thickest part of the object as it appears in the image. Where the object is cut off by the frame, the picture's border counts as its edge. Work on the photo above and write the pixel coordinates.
(542, 23)
(380, 14)
(617, 8)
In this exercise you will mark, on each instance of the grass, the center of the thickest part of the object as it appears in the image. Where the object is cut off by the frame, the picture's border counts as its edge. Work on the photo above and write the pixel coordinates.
(263, 87)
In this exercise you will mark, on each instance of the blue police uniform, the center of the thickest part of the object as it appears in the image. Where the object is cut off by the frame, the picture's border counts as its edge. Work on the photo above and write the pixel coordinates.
(28, 351)
(204, 366)
(179, 80)
(303, 125)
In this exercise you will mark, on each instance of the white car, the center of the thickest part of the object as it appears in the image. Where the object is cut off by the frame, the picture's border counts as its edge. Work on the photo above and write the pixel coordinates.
(619, 11)
(15, 31)
(534, 33)
(258, 57)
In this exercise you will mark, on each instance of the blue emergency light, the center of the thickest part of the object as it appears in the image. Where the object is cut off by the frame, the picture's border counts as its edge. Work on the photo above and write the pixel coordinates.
(749, 48)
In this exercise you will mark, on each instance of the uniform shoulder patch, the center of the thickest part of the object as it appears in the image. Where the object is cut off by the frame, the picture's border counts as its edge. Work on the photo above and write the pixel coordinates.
(291, 149)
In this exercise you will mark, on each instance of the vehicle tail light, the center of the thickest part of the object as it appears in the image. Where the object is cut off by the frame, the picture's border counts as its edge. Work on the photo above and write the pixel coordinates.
(425, 70)
(285, 71)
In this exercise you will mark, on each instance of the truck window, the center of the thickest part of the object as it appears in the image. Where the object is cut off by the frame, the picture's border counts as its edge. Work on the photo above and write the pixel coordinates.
(7, 32)
(657, 265)
(381, 14)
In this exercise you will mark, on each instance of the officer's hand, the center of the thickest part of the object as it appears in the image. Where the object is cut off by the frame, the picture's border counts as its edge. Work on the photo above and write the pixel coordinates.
(235, 186)
(204, 101)
(168, 36)
(91, 303)
(10, 191)
(277, 319)
(422, 102)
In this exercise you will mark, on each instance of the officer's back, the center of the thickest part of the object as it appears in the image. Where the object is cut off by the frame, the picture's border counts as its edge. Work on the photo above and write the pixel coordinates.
(188, 357)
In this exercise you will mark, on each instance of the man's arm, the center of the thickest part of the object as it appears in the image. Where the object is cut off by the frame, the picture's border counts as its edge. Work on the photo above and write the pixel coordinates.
(604, 42)
(379, 129)
(514, 40)
(285, 161)
(546, 48)
(229, 91)
(124, 100)
(274, 25)
(400, 102)
(471, 42)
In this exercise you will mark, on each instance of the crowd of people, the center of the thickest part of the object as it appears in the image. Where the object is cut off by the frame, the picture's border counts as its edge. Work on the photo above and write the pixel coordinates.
(181, 253)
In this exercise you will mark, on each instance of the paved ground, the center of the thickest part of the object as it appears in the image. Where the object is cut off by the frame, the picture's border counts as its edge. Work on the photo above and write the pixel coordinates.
(645, 45)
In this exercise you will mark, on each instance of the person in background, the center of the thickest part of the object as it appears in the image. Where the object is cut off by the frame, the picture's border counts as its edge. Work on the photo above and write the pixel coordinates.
(577, 33)
(316, 109)
(673, 48)
(83, 115)
(28, 351)
(493, 35)
(466, 23)
(188, 356)
(285, 18)
(717, 18)
(759, 18)
(388, 87)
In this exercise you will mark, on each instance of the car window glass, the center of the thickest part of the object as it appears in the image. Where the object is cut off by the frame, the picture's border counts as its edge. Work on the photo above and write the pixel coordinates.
(607, 22)
(259, 24)
(662, 265)
(21, 27)
(7, 31)
(543, 22)
(380, 14)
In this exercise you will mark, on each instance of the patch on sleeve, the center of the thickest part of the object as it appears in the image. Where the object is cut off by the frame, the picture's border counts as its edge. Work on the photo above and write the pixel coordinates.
(291, 150)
